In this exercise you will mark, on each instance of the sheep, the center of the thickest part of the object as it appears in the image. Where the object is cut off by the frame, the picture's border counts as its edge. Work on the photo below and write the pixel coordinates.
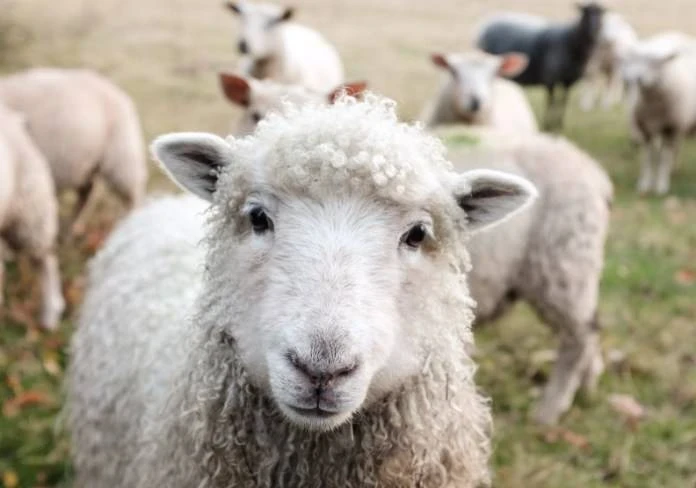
(662, 69)
(273, 47)
(286, 350)
(550, 256)
(85, 126)
(557, 54)
(473, 93)
(603, 70)
(29, 211)
(261, 97)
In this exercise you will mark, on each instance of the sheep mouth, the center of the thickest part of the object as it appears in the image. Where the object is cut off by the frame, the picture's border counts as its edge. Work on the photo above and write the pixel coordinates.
(316, 412)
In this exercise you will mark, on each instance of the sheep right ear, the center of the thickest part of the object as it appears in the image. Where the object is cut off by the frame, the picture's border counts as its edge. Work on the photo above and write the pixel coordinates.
(234, 7)
(440, 60)
(193, 160)
(512, 64)
(351, 89)
(236, 89)
(489, 197)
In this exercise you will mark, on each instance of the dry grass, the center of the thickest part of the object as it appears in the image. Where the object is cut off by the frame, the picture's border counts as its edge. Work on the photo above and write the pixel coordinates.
(166, 54)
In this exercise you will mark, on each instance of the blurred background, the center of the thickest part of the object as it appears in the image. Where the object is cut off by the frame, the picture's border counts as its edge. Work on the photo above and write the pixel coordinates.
(166, 55)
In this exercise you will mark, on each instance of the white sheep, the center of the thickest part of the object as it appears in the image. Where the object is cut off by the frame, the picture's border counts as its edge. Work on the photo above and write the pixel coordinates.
(258, 98)
(603, 70)
(550, 256)
(86, 127)
(273, 47)
(320, 334)
(474, 92)
(29, 211)
(662, 69)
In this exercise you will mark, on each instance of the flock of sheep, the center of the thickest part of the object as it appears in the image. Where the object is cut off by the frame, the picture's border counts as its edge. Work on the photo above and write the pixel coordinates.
(303, 316)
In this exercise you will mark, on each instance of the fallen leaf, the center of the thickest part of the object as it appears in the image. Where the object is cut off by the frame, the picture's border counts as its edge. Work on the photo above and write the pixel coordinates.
(10, 479)
(13, 406)
(50, 363)
(685, 277)
(628, 407)
(568, 436)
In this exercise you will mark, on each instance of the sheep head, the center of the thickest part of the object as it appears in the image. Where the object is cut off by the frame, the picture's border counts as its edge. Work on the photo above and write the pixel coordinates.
(336, 260)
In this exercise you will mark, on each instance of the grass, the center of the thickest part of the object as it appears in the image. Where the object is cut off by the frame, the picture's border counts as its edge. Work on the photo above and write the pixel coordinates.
(166, 54)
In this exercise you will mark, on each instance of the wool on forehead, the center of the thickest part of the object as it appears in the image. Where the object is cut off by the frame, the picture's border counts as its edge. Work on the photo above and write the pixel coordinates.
(349, 147)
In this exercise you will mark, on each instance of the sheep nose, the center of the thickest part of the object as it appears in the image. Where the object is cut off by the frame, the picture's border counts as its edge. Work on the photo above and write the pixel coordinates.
(243, 47)
(475, 104)
(322, 378)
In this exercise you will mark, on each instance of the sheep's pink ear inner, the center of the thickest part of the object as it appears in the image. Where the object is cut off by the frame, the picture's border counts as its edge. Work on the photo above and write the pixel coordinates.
(352, 89)
(513, 64)
(439, 60)
(236, 89)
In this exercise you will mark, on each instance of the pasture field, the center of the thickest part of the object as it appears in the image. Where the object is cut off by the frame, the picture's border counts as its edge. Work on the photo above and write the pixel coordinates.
(166, 55)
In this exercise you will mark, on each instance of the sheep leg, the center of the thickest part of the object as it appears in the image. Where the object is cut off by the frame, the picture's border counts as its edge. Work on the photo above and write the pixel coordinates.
(590, 92)
(2, 276)
(562, 106)
(550, 105)
(614, 89)
(651, 153)
(85, 201)
(53, 303)
(668, 155)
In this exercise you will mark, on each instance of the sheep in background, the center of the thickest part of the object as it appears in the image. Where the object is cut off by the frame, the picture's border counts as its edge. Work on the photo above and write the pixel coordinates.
(603, 71)
(550, 256)
(319, 337)
(273, 47)
(557, 54)
(474, 93)
(86, 127)
(662, 69)
(29, 211)
(259, 98)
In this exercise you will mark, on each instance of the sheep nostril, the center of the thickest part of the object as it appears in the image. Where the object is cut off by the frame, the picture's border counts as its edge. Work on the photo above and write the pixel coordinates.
(243, 47)
(475, 104)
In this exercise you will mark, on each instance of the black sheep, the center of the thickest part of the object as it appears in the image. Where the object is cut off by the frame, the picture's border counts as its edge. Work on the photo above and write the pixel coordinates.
(557, 53)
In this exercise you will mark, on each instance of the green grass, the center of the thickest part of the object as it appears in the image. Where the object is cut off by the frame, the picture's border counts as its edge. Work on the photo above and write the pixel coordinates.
(648, 302)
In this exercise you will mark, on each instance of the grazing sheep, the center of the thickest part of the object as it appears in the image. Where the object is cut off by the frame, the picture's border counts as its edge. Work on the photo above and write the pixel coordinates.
(319, 336)
(663, 110)
(273, 47)
(29, 211)
(86, 127)
(557, 54)
(551, 255)
(259, 98)
(474, 94)
(603, 70)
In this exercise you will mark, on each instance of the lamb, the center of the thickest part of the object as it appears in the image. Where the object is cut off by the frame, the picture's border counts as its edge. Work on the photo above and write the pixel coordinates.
(29, 211)
(662, 69)
(603, 70)
(86, 127)
(551, 255)
(273, 47)
(318, 336)
(557, 54)
(474, 93)
(258, 98)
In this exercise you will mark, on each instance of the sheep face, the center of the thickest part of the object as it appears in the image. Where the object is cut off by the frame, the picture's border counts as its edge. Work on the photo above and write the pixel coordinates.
(324, 256)
(643, 68)
(259, 22)
(473, 75)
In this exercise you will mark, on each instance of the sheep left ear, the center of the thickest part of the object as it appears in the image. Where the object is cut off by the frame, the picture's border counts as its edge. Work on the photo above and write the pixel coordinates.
(287, 14)
(512, 64)
(193, 160)
(351, 89)
(489, 197)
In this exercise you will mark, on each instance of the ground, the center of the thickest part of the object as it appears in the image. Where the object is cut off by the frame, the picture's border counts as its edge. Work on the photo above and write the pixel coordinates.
(166, 55)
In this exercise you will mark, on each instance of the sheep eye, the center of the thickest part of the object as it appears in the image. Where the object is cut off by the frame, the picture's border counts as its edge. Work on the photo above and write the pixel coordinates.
(256, 117)
(415, 236)
(260, 222)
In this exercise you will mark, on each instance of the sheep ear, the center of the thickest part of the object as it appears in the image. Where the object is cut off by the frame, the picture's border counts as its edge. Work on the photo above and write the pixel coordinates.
(440, 60)
(234, 7)
(287, 14)
(512, 64)
(489, 197)
(193, 160)
(236, 89)
(351, 89)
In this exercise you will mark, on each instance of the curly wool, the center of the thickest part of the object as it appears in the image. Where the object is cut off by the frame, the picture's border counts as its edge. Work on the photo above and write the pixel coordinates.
(203, 422)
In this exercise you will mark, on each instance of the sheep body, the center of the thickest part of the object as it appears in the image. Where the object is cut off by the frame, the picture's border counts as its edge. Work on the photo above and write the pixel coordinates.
(557, 53)
(551, 256)
(29, 210)
(194, 407)
(478, 96)
(284, 51)
(662, 70)
(85, 127)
